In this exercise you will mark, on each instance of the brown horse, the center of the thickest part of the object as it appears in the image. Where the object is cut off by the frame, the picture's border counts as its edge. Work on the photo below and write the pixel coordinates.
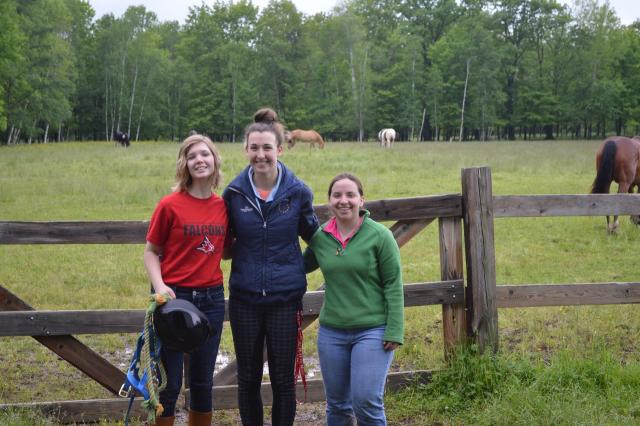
(617, 159)
(310, 136)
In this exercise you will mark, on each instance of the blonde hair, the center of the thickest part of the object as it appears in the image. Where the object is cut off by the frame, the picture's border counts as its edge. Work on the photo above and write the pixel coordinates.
(265, 120)
(183, 177)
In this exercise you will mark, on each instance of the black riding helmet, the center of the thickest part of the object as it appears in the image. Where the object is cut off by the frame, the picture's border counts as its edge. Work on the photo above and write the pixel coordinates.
(181, 326)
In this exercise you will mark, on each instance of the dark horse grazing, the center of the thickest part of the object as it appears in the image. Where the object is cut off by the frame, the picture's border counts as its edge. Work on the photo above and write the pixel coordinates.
(618, 159)
(122, 138)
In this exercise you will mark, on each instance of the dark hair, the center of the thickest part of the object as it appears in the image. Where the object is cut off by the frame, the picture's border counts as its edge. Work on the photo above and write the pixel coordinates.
(349, 176)
(265, 120)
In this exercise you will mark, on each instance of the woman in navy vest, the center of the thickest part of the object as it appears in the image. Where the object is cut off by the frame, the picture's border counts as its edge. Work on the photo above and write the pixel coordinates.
(269, 209)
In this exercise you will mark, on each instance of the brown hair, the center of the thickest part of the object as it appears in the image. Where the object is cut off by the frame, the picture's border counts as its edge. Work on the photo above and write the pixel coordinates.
(265, 120)
(349, 176)
(183, 177)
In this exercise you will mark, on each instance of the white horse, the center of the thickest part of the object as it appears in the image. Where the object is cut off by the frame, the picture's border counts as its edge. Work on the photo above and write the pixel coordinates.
(386, 137)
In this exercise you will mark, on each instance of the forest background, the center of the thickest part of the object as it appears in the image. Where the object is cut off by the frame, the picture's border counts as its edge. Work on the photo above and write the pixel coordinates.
(431, 69)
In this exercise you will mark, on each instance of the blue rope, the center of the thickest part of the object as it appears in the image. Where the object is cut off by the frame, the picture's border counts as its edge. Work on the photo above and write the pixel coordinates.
(146, 365)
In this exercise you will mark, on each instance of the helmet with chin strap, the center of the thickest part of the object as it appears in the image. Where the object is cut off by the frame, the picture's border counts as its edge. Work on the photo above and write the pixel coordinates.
(181, 326)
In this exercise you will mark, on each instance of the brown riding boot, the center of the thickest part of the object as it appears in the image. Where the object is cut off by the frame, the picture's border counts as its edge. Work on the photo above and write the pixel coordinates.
(164, 421)
(197, 418)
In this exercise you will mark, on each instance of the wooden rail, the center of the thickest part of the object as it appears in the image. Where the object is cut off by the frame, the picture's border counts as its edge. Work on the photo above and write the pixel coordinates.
(129, 232)
(133, 232)
(56, 323)
(60, 323)
(224, 397)
(566, 205)
(520, 296)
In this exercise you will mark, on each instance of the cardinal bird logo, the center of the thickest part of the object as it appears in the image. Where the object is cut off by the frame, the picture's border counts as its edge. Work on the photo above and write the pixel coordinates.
(206, 246)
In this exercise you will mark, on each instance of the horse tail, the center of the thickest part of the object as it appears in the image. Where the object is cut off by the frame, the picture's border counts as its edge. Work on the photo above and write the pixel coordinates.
(604, 176)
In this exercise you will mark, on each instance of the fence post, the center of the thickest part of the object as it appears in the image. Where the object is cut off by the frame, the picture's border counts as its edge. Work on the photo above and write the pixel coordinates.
(453, 315)
(477, 206)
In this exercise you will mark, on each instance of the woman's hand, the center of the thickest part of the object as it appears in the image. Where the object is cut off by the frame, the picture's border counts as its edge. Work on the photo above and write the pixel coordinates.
(390, 346)
(164, 289)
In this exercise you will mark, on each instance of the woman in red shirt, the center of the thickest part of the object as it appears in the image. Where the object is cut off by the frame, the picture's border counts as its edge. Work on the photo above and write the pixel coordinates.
(185, 241)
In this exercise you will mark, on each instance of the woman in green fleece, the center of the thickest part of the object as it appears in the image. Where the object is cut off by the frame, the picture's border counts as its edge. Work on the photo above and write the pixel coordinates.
(362, 319)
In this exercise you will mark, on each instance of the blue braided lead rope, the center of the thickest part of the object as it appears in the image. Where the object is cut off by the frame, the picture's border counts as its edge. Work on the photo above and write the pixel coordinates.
(150, 363)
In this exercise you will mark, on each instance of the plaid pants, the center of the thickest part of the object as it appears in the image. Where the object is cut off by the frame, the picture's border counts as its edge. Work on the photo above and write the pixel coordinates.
(252, 326)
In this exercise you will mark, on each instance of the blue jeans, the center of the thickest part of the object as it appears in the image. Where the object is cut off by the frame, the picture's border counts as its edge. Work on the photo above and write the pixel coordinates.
(202, 361)
(354, 369)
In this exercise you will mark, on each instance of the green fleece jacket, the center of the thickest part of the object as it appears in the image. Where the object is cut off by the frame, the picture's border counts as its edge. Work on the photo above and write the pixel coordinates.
(363, 281)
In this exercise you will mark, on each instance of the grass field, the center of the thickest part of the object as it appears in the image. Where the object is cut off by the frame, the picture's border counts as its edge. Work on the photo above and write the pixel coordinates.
(564, 365)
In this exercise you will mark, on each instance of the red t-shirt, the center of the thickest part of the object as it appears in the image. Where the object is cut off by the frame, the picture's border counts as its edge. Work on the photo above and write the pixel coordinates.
(192, 233)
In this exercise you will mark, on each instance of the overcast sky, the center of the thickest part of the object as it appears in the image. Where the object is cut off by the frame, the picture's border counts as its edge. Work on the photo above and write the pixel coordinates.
(177, 10)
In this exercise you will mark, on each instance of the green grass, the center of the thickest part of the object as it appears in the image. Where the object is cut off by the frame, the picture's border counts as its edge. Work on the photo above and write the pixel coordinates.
(590, 388)
(95, 181)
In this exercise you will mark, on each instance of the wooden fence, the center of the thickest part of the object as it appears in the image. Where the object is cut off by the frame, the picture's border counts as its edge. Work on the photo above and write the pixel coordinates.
(469, 307)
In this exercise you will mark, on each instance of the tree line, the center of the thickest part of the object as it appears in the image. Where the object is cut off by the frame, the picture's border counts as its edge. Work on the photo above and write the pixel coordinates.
(431, 69)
